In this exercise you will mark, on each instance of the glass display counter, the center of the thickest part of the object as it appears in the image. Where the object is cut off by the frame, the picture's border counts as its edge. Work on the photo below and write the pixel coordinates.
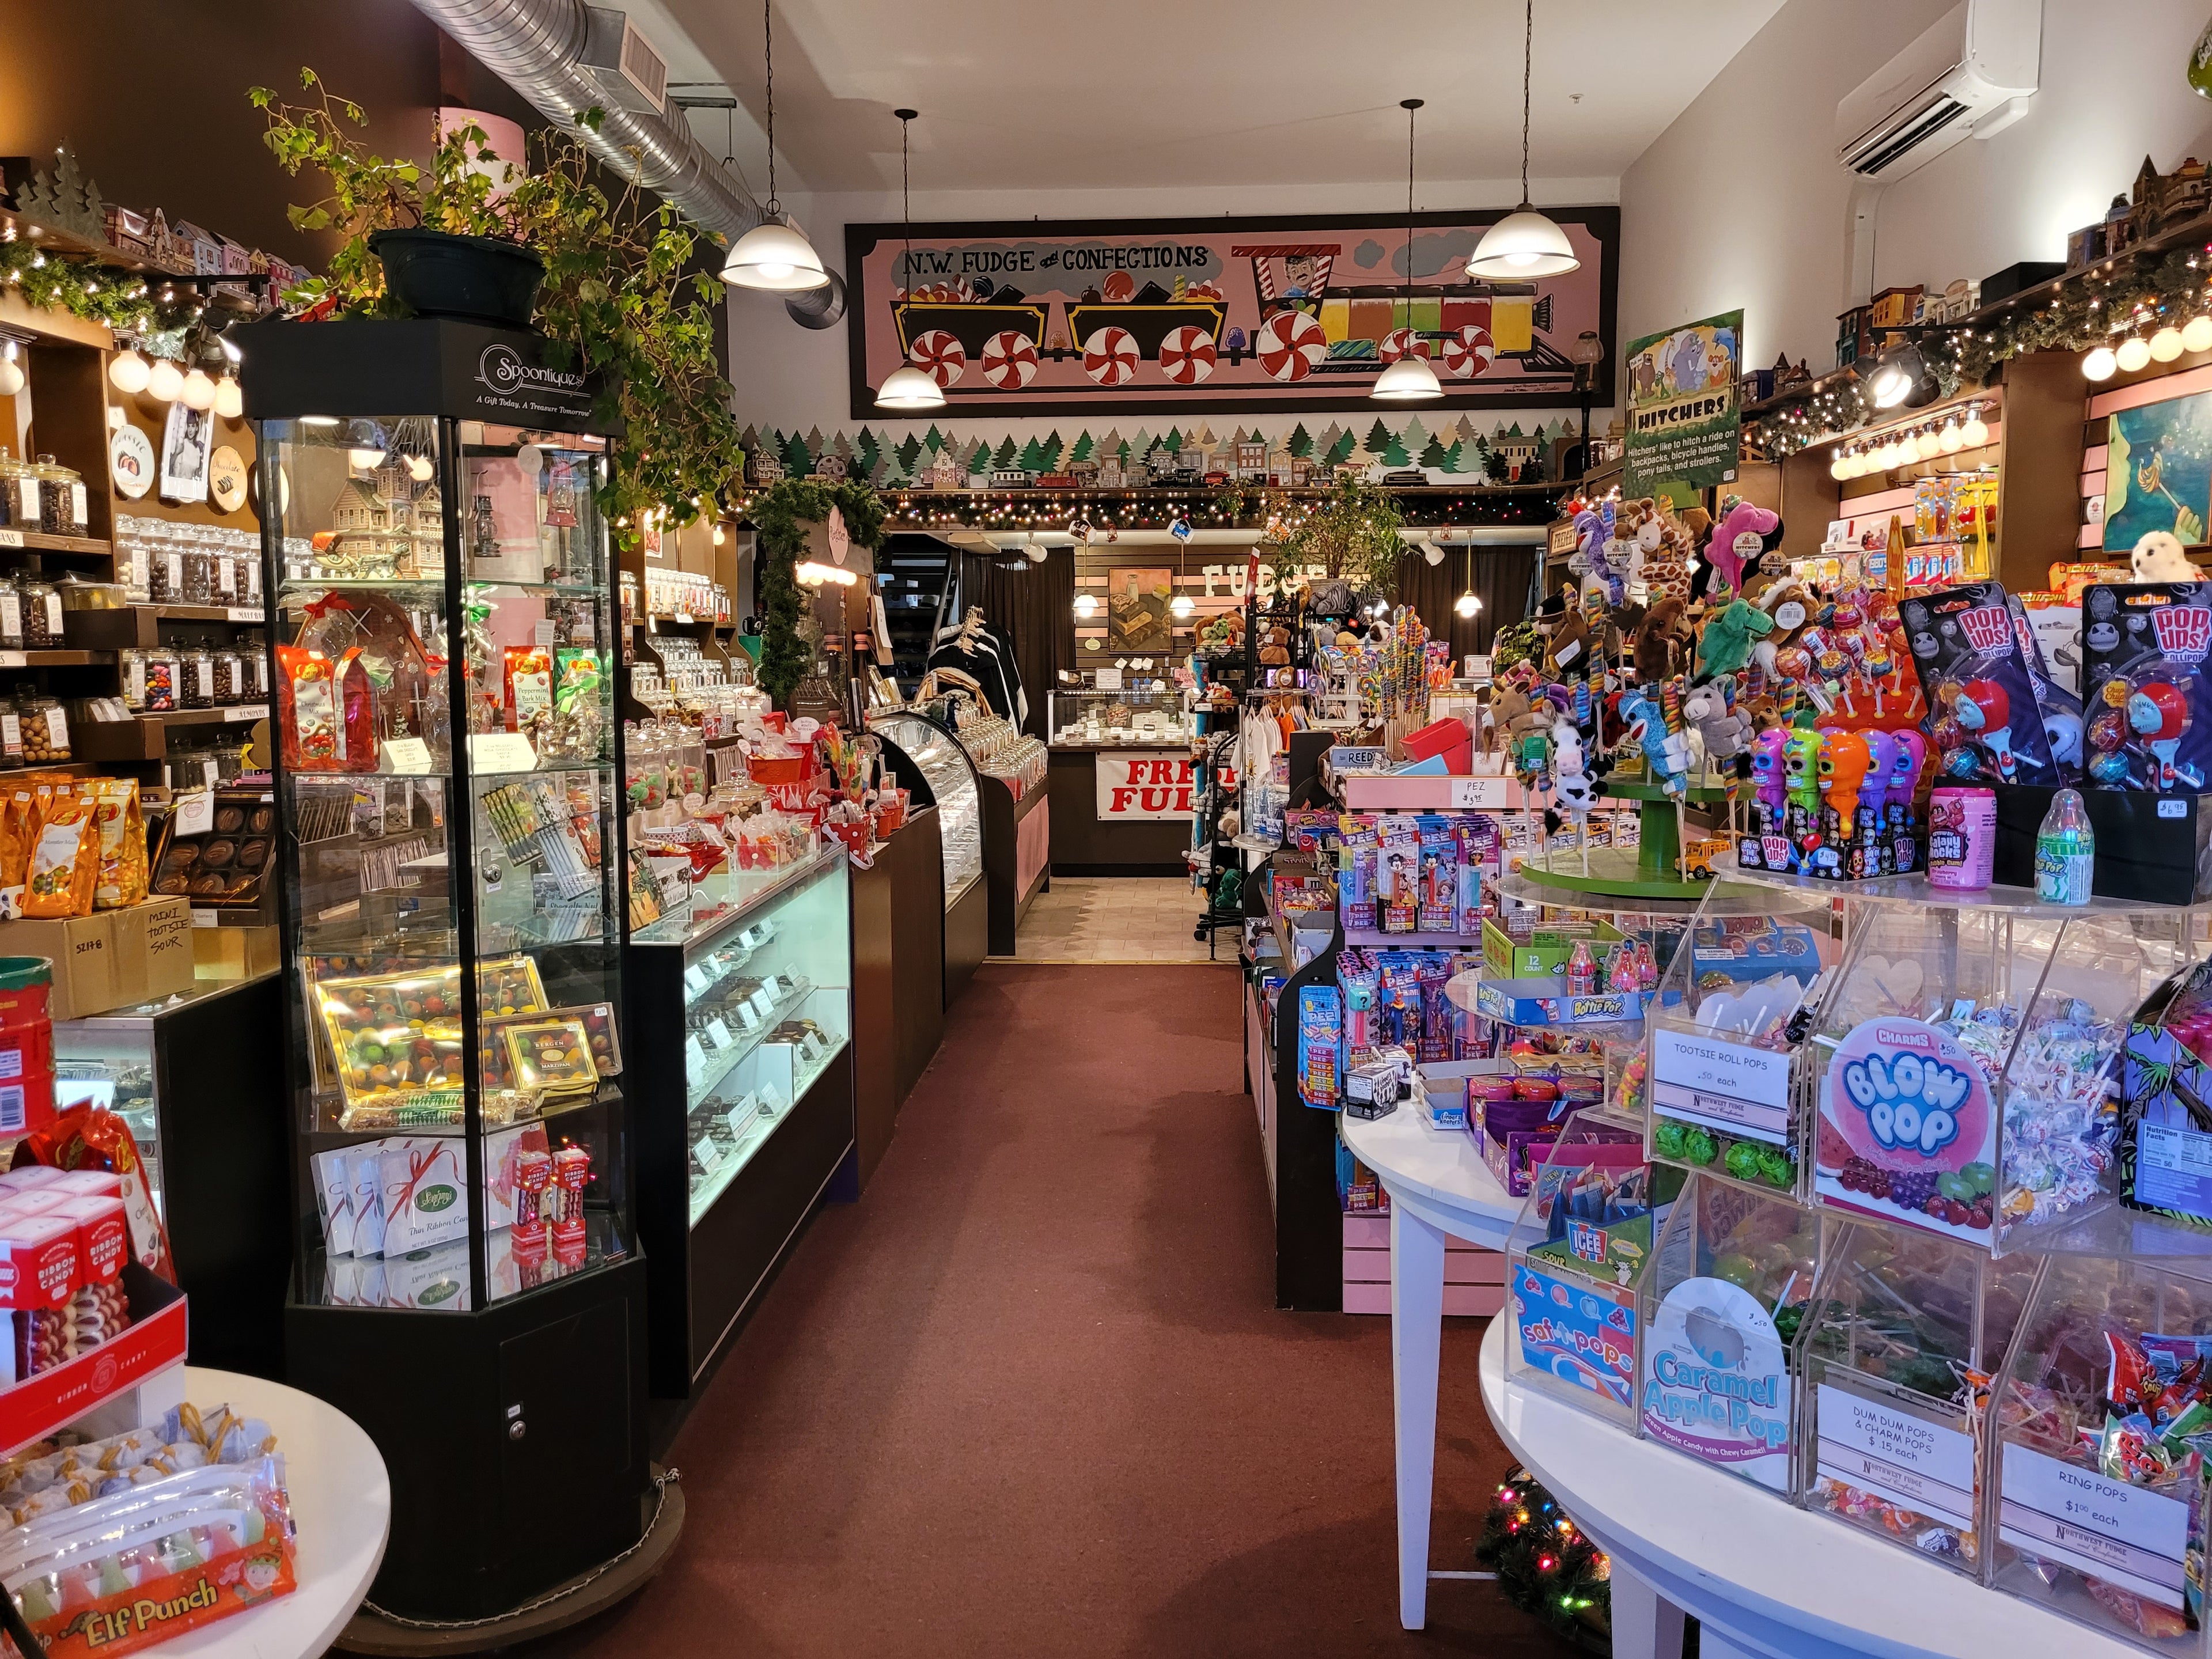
(1135, 719)
(928, 754)
(742, 1006)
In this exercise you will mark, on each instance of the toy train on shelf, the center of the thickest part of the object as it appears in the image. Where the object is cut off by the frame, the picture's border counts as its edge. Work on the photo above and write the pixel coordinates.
(1308, 327)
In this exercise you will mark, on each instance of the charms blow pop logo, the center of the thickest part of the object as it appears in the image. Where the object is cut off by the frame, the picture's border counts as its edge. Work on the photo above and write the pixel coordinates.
(1907, 1131)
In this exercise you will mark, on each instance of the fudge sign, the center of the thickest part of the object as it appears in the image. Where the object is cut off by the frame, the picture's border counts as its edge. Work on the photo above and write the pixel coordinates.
(1136, 787)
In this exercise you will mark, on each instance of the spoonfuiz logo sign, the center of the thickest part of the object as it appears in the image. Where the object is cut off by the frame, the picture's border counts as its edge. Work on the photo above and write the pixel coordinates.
(501, 369)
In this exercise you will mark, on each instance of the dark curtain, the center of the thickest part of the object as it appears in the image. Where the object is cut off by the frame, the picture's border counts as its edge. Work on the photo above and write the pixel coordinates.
(1036, 606)
(1502, 575)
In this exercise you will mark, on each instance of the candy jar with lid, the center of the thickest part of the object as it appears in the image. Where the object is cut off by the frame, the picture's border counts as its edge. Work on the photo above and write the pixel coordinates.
(42, 613)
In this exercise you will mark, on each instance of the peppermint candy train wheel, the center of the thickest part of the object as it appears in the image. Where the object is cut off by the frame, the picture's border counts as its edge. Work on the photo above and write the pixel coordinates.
(939, 354)
(1010, 359)
(1109, 356)
(1187, 355)
(1291, 345)
(1469, 352)
(1402, 342)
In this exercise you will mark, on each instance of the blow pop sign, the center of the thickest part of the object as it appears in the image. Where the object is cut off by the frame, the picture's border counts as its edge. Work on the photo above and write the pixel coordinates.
(1907, 1130)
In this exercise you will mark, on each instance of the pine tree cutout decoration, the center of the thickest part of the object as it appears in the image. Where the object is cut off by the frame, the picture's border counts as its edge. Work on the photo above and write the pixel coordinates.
(65, 200)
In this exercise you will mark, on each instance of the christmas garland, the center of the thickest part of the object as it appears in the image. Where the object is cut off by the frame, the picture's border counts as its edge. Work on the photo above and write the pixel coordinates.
(1546, 1565)
(780, 513)
(2100, 306)
(93, 292)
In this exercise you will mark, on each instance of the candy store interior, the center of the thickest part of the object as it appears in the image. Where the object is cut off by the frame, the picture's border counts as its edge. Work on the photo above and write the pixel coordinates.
(805, 842)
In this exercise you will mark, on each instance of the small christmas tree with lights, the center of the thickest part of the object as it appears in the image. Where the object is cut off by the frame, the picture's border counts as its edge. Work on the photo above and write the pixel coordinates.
(1546, 1564)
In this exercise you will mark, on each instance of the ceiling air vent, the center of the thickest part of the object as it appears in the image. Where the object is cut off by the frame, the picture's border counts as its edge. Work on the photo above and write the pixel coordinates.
(623, 62)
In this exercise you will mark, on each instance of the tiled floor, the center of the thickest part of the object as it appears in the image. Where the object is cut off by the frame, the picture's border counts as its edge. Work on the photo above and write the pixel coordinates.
(1116, 919)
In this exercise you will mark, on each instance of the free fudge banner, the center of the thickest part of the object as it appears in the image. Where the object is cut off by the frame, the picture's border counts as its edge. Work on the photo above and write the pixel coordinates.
(1048, 318)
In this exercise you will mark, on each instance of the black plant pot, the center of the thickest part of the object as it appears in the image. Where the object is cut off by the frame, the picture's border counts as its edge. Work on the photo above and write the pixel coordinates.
(473, 278)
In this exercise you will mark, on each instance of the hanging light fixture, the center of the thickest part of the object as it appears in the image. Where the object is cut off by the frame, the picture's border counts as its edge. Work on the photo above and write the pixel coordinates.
(1948, 439)
(198, 390)
(1840, 467)
(1928, 446)
(1974, 433)
(906, 386)
(2196, 334)
(164, 380)
(1524, 244)
(2165, 344)
(11, 371)
(2134, 353)
(2101, 364)
(128, 373)
(1467, 605)
(1410, 379)
(229, 402)
(1086, 606)
(773, 254)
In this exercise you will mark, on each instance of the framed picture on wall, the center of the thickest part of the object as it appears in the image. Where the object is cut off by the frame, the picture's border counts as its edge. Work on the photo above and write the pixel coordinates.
(2158, 473)
(1137, 610)
(185, 439)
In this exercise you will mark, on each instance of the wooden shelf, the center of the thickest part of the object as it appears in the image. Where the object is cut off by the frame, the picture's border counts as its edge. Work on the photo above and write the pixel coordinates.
(54, 659)
(146, 737)
(37, 541)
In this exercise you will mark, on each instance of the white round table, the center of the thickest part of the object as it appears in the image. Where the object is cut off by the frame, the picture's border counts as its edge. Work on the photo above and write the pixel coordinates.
(1762, 1577)
(1439, 1186)
(340, 1502)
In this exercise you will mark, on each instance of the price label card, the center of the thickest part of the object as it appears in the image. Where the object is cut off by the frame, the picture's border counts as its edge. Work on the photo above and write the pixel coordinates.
(694, 1061)
(744, 1012)
(708, 1150)
(253, 711)
(718, 1034)
(1880, 1447)
(195, 813)
(11, 538)
(245, 613)
(407, 756)
(764, 1002)
(501, 752)
(1479, 794)
(696, 979)
(2121, 1533)
(1730, 1086)
(1109, 679)
(544, 634)
(13, 659)
(742, 1117)
(206, 918)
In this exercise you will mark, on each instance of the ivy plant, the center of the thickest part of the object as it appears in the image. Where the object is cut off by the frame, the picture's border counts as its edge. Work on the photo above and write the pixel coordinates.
(621, 298)
(780, 514)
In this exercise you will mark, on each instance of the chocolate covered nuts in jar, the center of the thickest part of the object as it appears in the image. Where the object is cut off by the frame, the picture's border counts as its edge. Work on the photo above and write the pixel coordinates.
(45, 730)
(42, 613)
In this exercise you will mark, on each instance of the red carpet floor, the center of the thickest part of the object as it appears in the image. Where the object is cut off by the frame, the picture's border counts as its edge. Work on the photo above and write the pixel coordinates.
(1029, 1396)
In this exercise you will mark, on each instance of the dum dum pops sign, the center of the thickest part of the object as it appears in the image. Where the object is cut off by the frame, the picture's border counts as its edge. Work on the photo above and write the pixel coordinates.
(1140, 786)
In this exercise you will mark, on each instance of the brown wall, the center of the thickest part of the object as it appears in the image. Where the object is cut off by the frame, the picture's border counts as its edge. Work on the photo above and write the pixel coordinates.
(151, 94)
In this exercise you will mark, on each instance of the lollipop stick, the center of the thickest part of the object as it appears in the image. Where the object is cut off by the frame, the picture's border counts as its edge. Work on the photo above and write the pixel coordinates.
(1680, 838)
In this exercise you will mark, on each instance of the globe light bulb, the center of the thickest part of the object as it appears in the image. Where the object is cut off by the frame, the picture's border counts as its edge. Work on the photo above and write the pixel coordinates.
(1841, 468)
(128, 373)
(2165, 344)
(2133, 353)
(1948, 439)
(1974, 433)
(1086, 606)
(229, 403)
(11, 373)
(420, 467)
(198, 391)
(165, 381)
(1181, 605)
(1928, 446)
(1467, 605)
(2196, 334)
(2101, 364)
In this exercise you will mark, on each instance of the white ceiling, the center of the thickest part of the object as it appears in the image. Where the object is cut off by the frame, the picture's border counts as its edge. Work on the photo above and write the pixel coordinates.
(1033, 95)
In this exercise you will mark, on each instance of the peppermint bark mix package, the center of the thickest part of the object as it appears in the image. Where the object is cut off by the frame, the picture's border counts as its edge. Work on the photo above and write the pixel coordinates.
(1983, 721)
(2146, 700)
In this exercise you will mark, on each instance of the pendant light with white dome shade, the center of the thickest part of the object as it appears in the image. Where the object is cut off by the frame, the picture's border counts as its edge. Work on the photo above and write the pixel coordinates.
(907, 387)
(1410, 379)
(1524, 244)
(774, 255)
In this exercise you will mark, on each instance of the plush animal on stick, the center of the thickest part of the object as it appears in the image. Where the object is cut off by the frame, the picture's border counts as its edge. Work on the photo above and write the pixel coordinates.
(1662, 641)
(1743, 534)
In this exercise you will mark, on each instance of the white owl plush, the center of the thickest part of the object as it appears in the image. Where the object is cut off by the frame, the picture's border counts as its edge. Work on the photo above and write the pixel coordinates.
(2159, 557)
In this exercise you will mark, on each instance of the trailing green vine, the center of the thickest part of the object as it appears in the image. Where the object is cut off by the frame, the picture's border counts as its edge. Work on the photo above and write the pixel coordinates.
(621, 298)
(91, 290)
(780, 514)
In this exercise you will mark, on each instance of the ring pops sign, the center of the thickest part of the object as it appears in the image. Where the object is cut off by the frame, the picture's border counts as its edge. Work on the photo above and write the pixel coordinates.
(1908, 1130)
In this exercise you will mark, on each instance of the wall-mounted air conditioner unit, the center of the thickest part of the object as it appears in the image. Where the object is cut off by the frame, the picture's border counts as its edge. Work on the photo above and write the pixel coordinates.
(623, 62)
(1970, 75)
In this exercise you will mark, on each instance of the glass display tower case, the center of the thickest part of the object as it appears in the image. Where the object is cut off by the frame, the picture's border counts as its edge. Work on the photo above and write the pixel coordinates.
(929, 752)
(468, 1287)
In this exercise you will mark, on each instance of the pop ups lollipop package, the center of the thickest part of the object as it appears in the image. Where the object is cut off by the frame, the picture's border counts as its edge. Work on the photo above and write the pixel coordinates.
(2147, 699)
(1983, 723)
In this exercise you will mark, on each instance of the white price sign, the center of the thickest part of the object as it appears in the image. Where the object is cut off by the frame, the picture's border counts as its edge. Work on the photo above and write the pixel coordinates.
(1880, 1447)
(2106, 1528)
(11, 538)
(1730, 1086)
(709, 1151)
(1479, 794)
(718, 1034)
